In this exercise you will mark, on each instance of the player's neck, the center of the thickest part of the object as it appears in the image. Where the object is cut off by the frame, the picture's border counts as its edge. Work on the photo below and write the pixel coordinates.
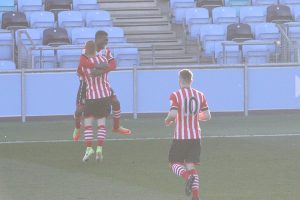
(185, 86)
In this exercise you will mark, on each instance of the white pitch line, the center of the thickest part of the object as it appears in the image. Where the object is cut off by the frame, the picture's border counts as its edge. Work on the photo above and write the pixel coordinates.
(154, 138)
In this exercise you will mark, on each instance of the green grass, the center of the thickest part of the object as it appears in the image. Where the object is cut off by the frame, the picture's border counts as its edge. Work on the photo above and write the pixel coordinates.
(231, 168)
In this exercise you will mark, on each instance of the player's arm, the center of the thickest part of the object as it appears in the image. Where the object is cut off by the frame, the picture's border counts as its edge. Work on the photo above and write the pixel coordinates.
(204, 114)
(173, 110)
(112, 64)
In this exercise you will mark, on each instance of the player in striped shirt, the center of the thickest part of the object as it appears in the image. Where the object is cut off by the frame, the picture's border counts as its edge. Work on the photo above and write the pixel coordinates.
(98, 98)
(101, 40)
(188, 106)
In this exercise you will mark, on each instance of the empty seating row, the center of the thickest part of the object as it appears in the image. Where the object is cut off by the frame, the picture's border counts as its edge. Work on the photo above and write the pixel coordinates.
(251, 51)
(242, 14)
(38, 5)
(59, 36)
(66, 19)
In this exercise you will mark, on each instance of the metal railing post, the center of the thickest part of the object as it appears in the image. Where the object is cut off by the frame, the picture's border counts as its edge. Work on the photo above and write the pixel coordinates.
(23, 96)
(246, 87)
(135, 97)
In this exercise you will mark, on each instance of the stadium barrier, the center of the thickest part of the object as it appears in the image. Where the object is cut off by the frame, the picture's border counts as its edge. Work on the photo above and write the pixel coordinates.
(236, 88)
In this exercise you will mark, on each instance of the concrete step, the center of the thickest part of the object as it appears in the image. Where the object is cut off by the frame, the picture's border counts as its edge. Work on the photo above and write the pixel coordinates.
(141, 19)
(145, 43)
(146, 52)
(170, 60)
(144, 27)
(134, 12)
(150, 34)
(129, 3)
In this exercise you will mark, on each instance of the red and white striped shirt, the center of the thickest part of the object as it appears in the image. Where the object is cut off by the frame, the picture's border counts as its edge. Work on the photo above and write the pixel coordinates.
(96, 87)
(189, 102)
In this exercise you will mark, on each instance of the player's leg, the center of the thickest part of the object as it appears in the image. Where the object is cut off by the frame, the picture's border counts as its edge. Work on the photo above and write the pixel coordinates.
(193, 158)
(101, 134)
(79, 110)
(88, 138)
(103, 110)
(116, 107)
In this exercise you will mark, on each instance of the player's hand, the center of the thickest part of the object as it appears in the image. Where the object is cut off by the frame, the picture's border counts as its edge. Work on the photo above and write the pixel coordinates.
(168, 122)
(97, 72)
(79, 108)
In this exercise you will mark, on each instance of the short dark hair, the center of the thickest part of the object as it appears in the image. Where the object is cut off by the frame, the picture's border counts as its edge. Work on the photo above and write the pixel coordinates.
(100, 34)
(186, 75)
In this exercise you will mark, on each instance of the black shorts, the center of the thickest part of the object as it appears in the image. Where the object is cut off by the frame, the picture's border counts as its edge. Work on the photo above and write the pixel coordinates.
(185, 151)
(97, 108)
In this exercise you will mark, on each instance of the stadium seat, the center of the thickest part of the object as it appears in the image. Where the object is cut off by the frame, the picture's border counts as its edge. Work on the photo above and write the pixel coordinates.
(14, 20)
(295, 9)
(85, 5)
(30, 5)
(237, 2)
(194, 18)
(58, 5)
(6, 45)
(253, 14)
(7, 65)
(279, 14)
(70, 19)
(239, 32)
(115, 34)
(7, 5)
(287, 2)
(179, 9)
(42, 19)
(34, 34)
(98, 18)
(126, 57)
(256, 53)
(226, 15)
(211, 33)
(227, 52)
(264, 2)
(293, 30)
(82, 35)
(68, 56)
(44, 58)
(55, 37)
(267, 32)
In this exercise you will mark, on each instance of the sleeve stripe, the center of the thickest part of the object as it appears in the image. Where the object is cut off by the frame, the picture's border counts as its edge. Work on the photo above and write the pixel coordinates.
(173, 108)
(204, 109)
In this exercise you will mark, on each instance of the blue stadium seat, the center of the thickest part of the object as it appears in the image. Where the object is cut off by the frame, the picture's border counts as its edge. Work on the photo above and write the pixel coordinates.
(264, 2)
(42, 19)
(126, 57)
(226, 15)
(295, 9)
(85, 5)
(7, 5)
(293, 30)
(267, 32)
(115, 34)
(253, 14)
(68, 56)
(179, 8)
(237, 2)
(82, 35)
(70, 19)
(98, 18)
(227, 54)
(43, 59)
(34, 34)
(287, 2)
(30, 5)
(256, 53)
(194, 18)
(7, 65)
(210, 34)
(6, 45)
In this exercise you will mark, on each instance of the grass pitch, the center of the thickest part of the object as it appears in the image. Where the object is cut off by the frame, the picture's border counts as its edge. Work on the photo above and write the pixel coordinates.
(242, 166)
